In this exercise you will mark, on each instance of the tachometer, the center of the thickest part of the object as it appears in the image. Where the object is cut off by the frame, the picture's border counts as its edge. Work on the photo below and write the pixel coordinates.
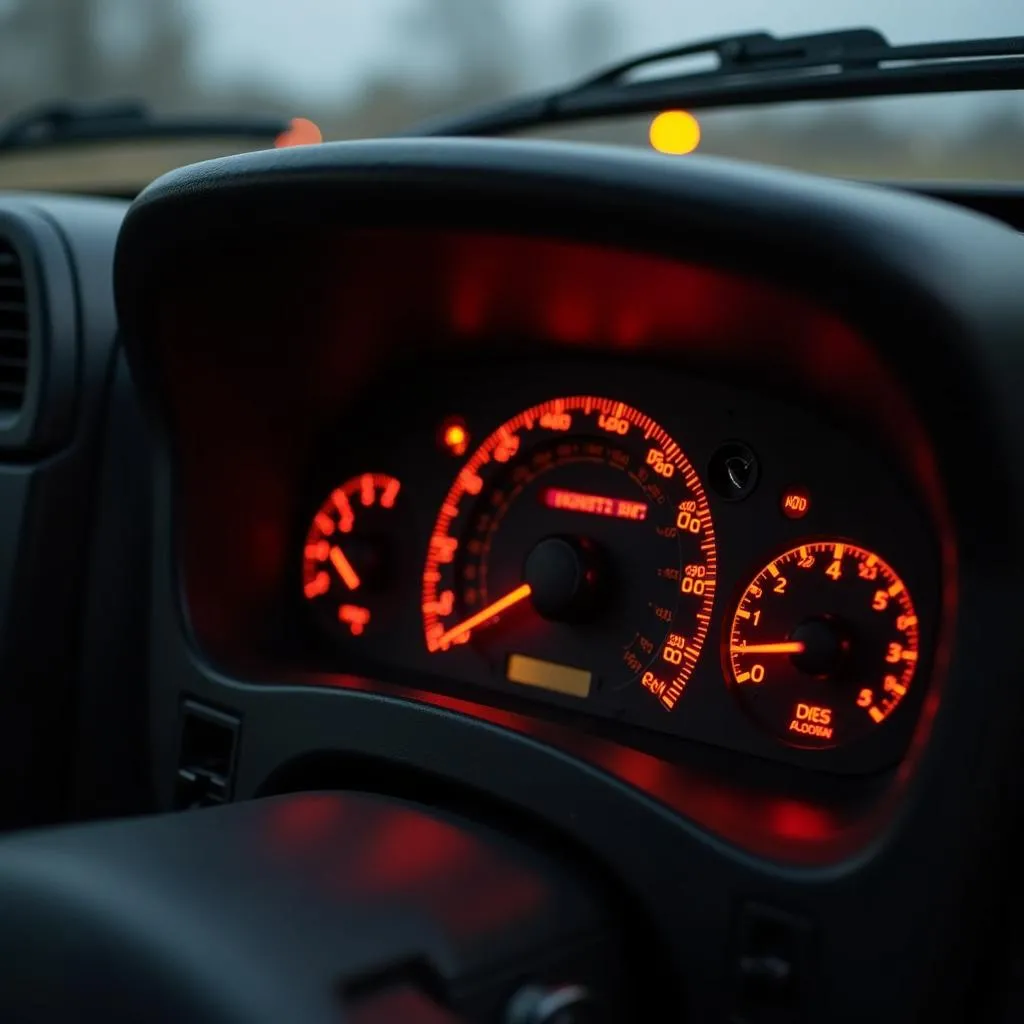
(824, 644)
(575, 552)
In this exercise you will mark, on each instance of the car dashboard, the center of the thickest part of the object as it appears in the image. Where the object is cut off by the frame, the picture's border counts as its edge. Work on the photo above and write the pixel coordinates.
(644, 508)
(668, 510)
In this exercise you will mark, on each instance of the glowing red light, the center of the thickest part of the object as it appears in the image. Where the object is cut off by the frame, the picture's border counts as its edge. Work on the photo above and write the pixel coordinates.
(454, 436)
(594, 504)
(795, 503)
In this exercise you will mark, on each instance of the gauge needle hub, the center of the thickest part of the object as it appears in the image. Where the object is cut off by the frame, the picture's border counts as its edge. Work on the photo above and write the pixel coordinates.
(348, 575)
(786, 647)
(512, 598)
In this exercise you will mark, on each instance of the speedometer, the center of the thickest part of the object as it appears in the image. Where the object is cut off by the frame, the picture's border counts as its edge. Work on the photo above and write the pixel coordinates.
(575, 552)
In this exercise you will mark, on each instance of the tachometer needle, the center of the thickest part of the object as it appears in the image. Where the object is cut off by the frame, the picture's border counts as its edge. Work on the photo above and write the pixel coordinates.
(348, 575)
(521, 593)
(787, 647)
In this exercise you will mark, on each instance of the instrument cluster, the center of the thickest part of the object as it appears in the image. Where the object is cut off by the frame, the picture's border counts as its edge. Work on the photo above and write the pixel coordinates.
(632, 548)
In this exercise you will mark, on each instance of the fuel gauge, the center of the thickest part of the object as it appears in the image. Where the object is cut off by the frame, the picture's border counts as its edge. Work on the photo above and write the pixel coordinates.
(347, 564)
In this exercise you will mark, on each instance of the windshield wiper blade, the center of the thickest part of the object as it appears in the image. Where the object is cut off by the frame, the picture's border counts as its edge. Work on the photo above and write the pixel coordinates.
(57, 124)
(759, 68)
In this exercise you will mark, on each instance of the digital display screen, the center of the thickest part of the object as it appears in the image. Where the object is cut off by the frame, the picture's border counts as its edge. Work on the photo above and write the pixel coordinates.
(594, 504)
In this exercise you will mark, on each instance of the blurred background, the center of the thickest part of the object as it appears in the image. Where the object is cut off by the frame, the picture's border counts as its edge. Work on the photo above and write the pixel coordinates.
(370, 67)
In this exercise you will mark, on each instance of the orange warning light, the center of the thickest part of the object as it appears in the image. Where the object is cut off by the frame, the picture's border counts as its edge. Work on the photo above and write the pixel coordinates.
(795, 503)
(454, 436)
(300, 132)
(675, 132)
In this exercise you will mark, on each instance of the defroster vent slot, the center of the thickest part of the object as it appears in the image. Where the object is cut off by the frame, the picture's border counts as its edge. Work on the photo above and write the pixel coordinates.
(14, 329)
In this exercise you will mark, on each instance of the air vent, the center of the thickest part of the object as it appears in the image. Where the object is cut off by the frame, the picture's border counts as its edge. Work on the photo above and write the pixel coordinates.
(13, 330)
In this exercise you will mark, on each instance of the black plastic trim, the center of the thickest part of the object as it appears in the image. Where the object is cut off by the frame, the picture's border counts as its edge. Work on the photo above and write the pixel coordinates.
(48, 465)
(45, 418)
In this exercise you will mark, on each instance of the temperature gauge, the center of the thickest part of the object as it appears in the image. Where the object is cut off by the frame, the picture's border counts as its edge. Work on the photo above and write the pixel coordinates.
(346, 560)
(824, 644)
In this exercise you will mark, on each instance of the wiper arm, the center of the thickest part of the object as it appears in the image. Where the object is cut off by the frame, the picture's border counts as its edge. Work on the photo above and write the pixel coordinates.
(55, 124)
(760, 68)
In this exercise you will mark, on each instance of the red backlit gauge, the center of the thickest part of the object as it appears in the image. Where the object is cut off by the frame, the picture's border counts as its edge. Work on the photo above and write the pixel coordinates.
(574, 552)
(345, 570)
(823, 644)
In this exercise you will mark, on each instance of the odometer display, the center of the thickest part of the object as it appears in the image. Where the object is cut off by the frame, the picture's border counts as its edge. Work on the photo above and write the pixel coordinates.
(575, 541)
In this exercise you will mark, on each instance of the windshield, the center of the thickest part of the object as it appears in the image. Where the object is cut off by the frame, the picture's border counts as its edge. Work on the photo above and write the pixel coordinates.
(369, 67)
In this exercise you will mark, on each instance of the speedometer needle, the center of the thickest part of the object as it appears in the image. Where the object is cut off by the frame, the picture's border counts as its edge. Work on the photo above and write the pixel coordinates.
(521, 593)
(348, 575)
(787, 647)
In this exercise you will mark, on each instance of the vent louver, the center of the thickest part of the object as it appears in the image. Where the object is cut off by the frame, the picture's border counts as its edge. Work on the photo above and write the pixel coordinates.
(14, 328)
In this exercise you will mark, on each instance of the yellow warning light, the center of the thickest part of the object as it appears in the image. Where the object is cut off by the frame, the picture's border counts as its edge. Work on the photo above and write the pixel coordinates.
(675, 132)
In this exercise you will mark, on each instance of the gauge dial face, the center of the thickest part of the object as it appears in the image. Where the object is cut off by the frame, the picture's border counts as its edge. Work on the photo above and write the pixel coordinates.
(575, 552)
(345, 564)
(823, 644)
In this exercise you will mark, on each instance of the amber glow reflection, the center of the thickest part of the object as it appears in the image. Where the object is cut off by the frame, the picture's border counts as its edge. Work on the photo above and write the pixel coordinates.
(365, 848)
(799, 831)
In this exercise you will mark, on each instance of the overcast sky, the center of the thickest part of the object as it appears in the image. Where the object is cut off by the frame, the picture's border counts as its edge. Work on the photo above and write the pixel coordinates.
(319, 47)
